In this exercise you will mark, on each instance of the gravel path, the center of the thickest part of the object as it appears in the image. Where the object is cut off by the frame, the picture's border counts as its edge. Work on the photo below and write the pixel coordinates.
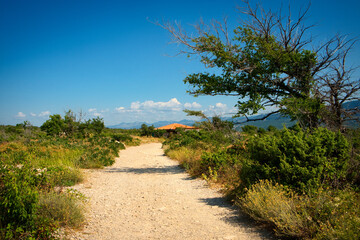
(146, 195)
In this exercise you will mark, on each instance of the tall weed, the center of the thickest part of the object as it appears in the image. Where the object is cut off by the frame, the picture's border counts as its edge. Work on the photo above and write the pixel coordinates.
(269, 202)
(64, 209)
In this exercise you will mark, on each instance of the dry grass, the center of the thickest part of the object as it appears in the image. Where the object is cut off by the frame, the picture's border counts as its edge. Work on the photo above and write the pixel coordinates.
(63, 208)
(188, 158)
(144, 139)
(268, 202)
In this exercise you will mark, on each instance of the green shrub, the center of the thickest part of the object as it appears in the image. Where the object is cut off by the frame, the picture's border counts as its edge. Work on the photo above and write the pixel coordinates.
(122, 137)
(250, 129)
(150, 131)
(217, 160)
(63, 175)
(301, 160)
(271, 128)
(19, 196)
(333, 214)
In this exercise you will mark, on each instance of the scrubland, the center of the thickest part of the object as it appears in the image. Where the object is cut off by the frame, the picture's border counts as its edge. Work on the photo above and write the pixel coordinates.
(302, 184)
(36, 167)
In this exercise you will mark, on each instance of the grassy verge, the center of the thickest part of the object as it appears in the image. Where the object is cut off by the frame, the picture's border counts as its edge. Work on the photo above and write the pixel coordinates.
(33, 166)
(302, 184)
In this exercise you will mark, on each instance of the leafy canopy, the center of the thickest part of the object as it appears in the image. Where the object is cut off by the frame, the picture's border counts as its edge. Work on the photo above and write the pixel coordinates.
(267, 61)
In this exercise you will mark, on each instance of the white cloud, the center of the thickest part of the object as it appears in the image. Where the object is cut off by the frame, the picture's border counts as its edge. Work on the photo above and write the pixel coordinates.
(33, 114)
(218, 109)
(92, 110)
(173, 105)
(192, 105)
(44, 114)
(20, 115)
(119, 109)
(135, 105)
(97, 114)
(222, 106)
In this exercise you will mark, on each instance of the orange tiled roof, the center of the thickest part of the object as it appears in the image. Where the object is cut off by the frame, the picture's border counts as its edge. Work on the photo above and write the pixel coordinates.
(174, 126)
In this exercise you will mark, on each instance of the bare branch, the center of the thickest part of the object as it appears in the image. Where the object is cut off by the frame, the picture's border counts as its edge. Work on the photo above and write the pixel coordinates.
(257, 119)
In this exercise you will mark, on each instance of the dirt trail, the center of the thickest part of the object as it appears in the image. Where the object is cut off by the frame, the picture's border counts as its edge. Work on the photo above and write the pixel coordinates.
(146, 195)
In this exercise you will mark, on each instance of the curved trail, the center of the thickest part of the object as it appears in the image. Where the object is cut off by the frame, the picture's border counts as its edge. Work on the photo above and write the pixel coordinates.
(145, 195)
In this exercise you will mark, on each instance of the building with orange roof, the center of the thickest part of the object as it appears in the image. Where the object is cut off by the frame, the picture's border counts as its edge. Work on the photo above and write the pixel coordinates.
(171, 128)
(174, 126)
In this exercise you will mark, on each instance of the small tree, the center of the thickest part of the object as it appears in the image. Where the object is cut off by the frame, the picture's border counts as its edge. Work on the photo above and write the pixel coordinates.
(146, 130)
(213, 124)
(71, 123)
(70, 126)
(54, 126)
(97, 125)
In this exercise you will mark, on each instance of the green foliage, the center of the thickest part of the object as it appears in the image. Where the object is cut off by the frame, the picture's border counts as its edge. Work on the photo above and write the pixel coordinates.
(146, 130)
(63, 175)
(353, 174)
(19, 196)
(214, 123)
(302, 160)
(326, 214)
(150, 131)
(54, 126)
(70, 126)
(32, 164)
(250, 129)
(198, 139)
(299, 182)
(99, 152)
(122, 137)
(62, 208)
(96, 124)
(277, 72)
(333, 214)
(272, 128)
(217, 160)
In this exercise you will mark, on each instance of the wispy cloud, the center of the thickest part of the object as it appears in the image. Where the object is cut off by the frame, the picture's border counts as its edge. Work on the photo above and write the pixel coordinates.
(152, 111)
(97, 113)
(218, 109)
(20, 115)
(193, 105)
(44, 114)
(172, 105)
(33, 114)
(135, 105)
(119, 109)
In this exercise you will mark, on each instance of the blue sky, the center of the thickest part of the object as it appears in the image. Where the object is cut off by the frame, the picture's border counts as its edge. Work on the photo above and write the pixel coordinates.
(106, 59)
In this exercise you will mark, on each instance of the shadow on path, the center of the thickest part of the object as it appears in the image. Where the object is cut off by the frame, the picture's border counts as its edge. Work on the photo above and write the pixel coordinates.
(147, 170)
(237, 217)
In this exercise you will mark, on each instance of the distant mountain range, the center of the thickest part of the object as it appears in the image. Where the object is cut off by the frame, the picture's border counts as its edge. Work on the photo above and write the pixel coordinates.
(275, 120)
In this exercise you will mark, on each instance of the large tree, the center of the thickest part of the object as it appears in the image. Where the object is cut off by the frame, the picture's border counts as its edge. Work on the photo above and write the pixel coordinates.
(268, 61)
